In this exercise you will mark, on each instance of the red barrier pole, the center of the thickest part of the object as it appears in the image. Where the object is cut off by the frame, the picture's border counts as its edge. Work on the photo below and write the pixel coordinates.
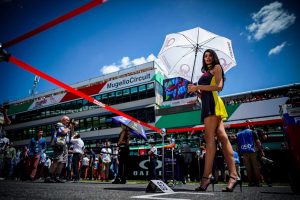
(54, 22)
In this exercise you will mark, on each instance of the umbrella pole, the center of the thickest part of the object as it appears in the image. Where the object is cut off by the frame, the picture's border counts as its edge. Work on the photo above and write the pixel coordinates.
(163, 133)
(196, 52)
(163, 157)
(173, 173)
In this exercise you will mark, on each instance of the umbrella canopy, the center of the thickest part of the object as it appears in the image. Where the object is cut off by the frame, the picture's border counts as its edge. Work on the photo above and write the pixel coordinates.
(182, 52)
(135, 128)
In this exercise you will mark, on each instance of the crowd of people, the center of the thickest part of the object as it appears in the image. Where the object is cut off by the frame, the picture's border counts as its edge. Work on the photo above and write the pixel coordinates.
(252, 98)
(70, 160)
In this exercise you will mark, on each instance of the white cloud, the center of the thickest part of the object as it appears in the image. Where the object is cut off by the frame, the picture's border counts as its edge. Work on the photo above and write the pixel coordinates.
(139, 61)
(269, 19)
(151, 57)
(109, 69)
(277, 49)
(125, 63)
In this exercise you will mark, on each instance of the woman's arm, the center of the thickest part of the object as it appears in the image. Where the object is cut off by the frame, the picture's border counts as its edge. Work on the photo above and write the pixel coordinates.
(121, 138)
(217, 71)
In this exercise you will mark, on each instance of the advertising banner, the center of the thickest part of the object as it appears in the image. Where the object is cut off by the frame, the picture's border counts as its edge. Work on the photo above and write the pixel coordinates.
(179, 102)
(46, 101)
(128, 81)
(138, 167)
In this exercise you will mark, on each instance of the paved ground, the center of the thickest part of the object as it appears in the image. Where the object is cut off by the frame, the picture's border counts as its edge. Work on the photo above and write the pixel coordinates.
(92, 190)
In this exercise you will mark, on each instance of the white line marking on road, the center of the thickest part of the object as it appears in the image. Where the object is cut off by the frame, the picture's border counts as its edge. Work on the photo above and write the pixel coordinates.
(153, 196)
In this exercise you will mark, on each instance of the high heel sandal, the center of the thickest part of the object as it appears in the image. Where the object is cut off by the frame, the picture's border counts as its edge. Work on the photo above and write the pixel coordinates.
(212, 181)
(238, 181)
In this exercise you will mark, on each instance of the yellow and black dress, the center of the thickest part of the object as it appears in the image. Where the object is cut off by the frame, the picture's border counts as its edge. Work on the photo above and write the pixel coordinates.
(212, 104)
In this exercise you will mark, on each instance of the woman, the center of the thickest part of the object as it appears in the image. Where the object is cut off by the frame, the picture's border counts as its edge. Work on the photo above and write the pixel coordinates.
(123, 144)
(213, 114)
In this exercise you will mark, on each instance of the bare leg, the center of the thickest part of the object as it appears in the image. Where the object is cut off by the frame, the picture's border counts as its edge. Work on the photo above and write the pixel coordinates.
(211, 123)
(227, 151)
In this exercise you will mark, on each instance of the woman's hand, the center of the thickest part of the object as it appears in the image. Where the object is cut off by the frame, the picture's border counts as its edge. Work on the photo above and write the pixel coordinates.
(192, 88)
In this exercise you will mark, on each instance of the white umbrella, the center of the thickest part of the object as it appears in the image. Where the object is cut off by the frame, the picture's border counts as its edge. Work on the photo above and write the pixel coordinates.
(182, 52)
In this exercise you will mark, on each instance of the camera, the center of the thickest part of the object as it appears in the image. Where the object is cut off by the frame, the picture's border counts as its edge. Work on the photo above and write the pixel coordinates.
(73, 122)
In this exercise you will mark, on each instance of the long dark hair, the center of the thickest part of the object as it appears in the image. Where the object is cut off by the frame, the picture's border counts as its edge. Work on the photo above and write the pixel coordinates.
(215, 61)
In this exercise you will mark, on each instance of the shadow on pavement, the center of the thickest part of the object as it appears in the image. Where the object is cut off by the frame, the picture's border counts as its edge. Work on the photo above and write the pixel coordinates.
(143, 189)
(284, 193)
(126, 189)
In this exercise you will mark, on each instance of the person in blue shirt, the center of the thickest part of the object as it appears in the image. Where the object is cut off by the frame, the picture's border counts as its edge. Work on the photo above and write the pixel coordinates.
(248, 144)
(37, 147)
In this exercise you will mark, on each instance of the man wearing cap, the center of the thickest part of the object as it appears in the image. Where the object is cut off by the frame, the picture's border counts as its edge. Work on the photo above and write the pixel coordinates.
(246, 142)
(4, 141)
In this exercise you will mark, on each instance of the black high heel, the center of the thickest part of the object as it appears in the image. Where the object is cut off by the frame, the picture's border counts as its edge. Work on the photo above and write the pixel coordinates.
(238, 181)
(212, 181)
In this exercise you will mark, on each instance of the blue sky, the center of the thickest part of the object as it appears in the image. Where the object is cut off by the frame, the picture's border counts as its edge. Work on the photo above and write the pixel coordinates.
(121, 33)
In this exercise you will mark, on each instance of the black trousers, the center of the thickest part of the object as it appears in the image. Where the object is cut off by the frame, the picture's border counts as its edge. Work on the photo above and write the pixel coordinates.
(7, 166)
(152, 169)
(75, 162)
(123, 159)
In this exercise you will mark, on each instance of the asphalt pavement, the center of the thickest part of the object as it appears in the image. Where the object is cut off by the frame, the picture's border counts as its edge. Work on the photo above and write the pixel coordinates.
(133, 190)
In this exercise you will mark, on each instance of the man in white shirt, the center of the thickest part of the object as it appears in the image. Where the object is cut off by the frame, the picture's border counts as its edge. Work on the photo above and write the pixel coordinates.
(106, 160)
(78, 146)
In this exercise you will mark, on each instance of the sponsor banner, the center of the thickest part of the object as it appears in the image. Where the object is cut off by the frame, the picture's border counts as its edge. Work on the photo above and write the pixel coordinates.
(128, 81)
(138, 167)
(42, 102)
(179, 102)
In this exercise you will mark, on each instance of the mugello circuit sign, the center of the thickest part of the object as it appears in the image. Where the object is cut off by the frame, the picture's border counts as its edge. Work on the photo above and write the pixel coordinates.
(128, 81)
